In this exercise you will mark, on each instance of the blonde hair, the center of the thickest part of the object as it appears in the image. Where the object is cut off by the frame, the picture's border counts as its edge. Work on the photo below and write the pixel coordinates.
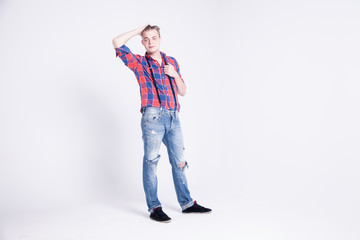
(149, 27)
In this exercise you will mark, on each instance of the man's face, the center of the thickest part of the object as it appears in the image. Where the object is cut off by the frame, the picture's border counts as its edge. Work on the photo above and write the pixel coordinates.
(151, 41)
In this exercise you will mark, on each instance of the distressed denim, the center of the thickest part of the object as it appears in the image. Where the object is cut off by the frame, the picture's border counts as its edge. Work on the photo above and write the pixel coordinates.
(159, 125)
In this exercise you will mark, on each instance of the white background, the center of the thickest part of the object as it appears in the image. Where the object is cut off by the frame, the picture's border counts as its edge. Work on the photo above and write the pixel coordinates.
(270, 119)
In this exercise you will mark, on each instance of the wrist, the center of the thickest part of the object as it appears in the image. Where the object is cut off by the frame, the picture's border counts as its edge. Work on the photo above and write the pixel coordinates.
(140, 29)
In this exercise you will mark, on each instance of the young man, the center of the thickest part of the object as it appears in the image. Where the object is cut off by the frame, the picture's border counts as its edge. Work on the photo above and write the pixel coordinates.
(160, 82)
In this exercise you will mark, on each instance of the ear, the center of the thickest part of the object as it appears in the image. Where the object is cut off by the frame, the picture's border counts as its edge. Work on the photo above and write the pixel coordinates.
(142, 42)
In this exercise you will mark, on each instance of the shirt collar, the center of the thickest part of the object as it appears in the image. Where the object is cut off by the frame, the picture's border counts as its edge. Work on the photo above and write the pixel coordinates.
(163, 55)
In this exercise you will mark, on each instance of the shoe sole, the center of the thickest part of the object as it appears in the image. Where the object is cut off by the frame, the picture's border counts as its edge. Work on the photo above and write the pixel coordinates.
(167, 221)
(197, 212)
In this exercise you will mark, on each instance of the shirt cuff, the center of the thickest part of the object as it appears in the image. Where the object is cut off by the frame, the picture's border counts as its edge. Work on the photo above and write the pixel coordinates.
(122, 50)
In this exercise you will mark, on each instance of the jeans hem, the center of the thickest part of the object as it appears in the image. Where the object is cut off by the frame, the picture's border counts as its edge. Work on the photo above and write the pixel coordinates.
(189, 204)
(151, 210)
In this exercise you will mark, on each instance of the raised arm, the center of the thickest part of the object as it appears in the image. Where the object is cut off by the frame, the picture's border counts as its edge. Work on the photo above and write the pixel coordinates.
(123, 38)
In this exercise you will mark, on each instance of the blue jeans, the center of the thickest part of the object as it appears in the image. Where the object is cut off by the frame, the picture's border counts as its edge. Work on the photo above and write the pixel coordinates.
(160, 125)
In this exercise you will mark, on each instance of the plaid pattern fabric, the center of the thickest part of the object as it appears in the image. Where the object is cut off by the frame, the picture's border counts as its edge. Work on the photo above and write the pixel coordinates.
(139, 66)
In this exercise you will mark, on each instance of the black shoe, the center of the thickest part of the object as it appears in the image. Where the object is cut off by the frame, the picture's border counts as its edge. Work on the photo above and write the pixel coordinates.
(159, 215)
(196, 208)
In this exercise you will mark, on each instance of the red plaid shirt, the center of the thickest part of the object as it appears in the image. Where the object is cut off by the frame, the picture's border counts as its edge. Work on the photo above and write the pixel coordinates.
(139, 66)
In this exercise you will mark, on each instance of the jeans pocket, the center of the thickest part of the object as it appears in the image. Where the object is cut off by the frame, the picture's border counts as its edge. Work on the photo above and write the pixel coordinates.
(151, 117)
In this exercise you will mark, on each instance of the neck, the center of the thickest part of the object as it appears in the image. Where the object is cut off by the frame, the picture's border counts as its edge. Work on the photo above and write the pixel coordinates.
(156, 55)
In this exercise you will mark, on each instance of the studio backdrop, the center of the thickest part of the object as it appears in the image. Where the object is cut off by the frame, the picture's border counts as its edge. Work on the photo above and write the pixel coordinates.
(270, 117)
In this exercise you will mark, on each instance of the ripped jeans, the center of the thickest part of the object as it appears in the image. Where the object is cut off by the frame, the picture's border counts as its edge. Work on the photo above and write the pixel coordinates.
(160, 125)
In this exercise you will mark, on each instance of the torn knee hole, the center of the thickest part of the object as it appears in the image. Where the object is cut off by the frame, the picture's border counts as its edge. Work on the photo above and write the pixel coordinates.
(153, 161)
(182, 165)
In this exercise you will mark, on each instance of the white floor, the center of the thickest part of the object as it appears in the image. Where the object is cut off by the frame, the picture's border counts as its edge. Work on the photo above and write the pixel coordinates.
(240, 218)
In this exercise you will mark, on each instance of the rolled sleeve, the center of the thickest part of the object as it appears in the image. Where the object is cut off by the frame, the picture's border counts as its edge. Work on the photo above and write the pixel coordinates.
(130, 60)
(177, 68)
